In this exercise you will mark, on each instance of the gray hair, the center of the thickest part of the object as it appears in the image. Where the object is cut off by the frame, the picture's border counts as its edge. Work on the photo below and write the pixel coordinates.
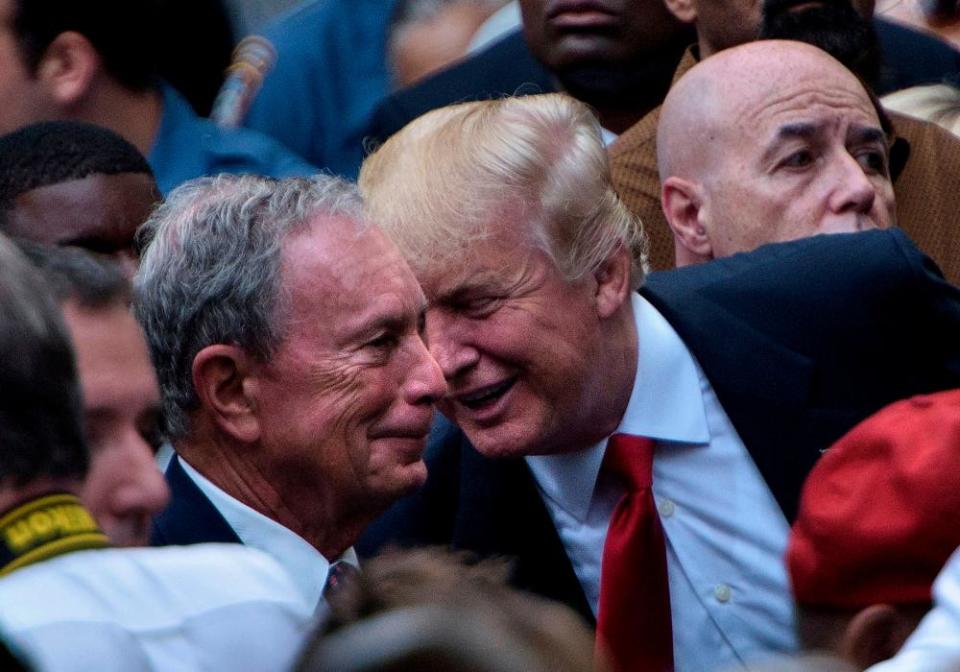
(210, 272)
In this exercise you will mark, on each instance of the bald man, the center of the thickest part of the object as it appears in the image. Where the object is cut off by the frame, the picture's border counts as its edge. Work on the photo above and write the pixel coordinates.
(770, 142)
(925, 159)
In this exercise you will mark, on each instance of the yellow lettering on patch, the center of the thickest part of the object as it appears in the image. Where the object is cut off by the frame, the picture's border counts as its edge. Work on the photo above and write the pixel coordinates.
(41, 523)
(18, 536)
(38, 527)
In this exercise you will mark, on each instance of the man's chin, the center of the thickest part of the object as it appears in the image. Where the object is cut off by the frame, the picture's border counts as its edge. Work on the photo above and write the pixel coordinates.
(128, 534)
(500, 442)
(410, 478)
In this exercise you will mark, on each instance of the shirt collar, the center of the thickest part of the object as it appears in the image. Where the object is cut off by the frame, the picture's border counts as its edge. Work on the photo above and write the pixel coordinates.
(666, 404)
(306, 565)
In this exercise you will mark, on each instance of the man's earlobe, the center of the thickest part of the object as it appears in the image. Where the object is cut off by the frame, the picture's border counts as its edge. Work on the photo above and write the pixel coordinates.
(875, 634)
(684, 10)
(68, 68)
(222, 378)
(683, 208)
(613, 282)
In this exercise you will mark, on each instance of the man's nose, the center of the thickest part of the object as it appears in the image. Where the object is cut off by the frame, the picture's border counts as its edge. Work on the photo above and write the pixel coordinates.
(145, 489)
(426, 380)
(449, 345)
(855, 192)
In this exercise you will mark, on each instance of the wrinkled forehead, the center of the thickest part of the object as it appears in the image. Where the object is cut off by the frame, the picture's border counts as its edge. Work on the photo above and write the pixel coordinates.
(811, 90)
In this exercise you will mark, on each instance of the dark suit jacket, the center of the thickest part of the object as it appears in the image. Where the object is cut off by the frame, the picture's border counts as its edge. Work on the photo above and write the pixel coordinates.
(190, 518)
(504, 68)
(801, 341)
(912, 57)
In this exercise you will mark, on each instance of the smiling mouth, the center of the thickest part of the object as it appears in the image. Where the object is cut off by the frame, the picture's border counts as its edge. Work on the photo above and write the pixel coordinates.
(487, 395)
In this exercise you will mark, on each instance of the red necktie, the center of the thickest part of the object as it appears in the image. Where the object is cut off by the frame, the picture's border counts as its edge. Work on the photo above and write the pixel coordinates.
(633, 622)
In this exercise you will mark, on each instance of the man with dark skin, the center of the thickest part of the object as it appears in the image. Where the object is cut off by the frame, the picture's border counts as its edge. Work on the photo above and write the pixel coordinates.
(617, 56)
(76, 184)
(614, 55)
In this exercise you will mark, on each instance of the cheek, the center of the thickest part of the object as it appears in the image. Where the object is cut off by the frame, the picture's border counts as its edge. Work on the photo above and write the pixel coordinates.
(886, 202)
(346, 400)
(103, 478)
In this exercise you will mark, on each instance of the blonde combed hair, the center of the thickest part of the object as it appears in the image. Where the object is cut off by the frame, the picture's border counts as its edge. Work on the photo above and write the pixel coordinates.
(438, 185)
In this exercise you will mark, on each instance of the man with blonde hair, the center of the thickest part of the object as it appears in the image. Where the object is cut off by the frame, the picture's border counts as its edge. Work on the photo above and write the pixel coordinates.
(728, 377)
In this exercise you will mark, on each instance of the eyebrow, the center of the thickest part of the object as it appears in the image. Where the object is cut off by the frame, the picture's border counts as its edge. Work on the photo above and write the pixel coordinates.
(391, 321)
(806, 130)
(801, 129)
(797, 130)
(866, 134)
(477, 282)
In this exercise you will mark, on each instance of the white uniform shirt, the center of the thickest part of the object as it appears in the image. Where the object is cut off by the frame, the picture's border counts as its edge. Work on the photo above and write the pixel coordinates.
(725, 533)
(935, 645)
(202, 607)
(305, 563)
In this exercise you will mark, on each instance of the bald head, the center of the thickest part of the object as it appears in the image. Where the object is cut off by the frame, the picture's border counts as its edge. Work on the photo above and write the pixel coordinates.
(766, 142)
(736, 85)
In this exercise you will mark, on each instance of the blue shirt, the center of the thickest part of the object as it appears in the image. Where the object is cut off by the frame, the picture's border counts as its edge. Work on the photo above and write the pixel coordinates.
(725, 533)
(329, 75)
(188, 146)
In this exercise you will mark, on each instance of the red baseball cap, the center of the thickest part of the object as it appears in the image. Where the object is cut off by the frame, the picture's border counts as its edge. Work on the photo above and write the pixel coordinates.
(880, 512)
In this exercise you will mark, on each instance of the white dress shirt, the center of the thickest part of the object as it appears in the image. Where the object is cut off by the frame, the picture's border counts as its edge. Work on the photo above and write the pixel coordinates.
(184, 608)
(725, 533)
(306, 565)
(935, 644)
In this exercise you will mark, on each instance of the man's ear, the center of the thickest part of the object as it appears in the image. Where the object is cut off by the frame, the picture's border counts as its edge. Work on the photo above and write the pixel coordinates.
(684, 10)
(227, 391)
(875, 634)
(682, 205)
(613, 282)
(68, 68)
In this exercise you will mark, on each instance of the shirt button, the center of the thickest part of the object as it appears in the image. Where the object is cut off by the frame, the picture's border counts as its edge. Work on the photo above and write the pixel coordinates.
(666, 507)
(723, 593)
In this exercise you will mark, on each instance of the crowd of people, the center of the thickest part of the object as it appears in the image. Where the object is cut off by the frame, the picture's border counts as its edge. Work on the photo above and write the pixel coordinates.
(614, 335)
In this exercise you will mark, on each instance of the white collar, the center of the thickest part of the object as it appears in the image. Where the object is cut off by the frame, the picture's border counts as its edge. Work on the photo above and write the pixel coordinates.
(666, 404)
(607, 136)
(306, 565)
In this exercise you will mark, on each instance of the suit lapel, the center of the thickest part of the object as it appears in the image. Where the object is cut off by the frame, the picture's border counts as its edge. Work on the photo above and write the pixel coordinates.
(502, 513)
(190, 518)
(763, 386)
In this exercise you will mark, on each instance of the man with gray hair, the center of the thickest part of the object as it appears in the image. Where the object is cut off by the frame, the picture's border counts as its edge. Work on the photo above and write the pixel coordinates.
(295, 385)
(638, 453)
(67, 601)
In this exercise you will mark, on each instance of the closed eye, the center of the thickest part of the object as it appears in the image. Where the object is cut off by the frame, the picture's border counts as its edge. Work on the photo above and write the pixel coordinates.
(384, 341)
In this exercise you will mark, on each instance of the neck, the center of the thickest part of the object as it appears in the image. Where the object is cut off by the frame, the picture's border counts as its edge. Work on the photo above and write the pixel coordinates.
(705, 49)
(135, 115)
(608, 393)
(301, 504)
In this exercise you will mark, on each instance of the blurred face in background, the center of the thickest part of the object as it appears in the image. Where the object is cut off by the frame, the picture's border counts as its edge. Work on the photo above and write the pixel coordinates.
(121, 404)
